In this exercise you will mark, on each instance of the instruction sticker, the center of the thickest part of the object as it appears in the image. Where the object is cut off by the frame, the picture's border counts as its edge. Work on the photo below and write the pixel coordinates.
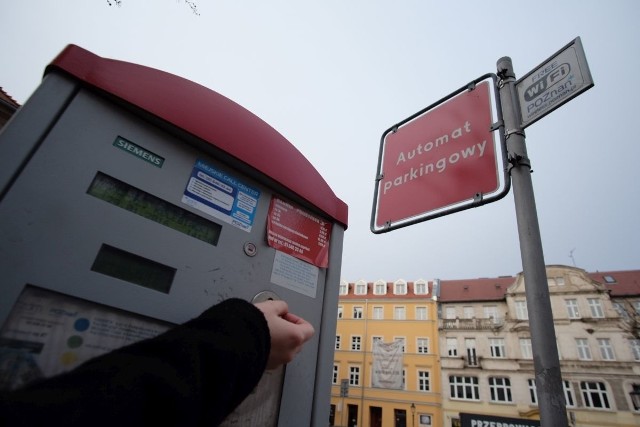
(221, 195)
(298, 233)
(294, 274)
(48, 333)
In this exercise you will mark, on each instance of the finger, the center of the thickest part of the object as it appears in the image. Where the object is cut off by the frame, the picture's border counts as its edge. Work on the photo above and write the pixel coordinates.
(281, 307)
(278, 307)
(290, 317)
(306, 329)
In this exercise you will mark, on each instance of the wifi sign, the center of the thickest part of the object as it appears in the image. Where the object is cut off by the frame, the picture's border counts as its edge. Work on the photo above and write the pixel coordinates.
(560, 78)
(547, 82)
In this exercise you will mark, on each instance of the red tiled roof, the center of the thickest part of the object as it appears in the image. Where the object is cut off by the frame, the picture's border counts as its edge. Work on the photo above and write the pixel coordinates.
(626, 283)
(492, 289)
(8, 99)
(389, 295)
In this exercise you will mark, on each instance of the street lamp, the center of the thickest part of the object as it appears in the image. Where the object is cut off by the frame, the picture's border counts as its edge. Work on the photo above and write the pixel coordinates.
(413, 415)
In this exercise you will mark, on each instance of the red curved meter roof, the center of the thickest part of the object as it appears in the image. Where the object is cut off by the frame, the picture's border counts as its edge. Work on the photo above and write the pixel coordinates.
(207, 115)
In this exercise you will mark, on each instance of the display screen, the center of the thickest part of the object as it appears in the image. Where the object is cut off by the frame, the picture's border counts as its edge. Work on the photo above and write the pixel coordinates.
(133, 268)
(127, 197)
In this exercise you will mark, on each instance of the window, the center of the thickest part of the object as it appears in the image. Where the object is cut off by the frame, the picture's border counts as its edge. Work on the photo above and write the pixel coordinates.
(452, 346)
(356, 342)
(470, 345)
(490, 312)
(423, 345)
(344, 288)
(559, 349)
(636, 305)
(399, 313)
(334, 378)
(450, 313)
(380, 288)
(521, 310)
(572, 308)
(594, 395)
(533, 392)
(525, 348)
(354, 375)
(609, 279)
(338, 342)
(606, 351)
(357, 312)
(569, 398)
(421, 313)
(584, 352)
(553, 281)
(635, 391)
(340, 311)
(595, 305)
(361, 287)
(497, 347)
(400, 287)
(622, 312)
(635, 348)
(423, 381)
(378, 313)
(468, 312)
(566, 385)
(402, 341)
(420, 287)
(374, 339)
(500, 389)
(464, 388)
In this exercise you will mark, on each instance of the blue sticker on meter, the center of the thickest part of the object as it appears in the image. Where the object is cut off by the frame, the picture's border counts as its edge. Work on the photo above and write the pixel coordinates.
(222, 196)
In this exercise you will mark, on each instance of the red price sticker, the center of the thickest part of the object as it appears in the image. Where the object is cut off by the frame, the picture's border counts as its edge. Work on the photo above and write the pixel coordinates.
(296, 232)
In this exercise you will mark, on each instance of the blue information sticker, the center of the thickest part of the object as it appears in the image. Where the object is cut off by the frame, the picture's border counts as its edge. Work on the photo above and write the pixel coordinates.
(221, 195)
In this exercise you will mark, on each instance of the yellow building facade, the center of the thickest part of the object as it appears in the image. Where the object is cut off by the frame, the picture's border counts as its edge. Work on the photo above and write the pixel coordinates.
(400, 312)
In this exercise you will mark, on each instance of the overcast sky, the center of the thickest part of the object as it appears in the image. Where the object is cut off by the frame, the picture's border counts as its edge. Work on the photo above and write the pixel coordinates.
(332, 76)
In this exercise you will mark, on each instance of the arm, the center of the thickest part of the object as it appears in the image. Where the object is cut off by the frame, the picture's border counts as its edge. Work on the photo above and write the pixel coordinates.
(194, 374)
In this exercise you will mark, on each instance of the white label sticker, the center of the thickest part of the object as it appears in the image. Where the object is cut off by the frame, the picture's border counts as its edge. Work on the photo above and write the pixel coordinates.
(292, 273)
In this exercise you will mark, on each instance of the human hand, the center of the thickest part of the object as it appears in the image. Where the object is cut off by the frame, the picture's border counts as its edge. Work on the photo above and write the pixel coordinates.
(288, 332)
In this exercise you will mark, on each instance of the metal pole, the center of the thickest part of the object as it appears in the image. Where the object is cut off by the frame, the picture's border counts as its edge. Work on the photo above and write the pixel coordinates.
(543, 338)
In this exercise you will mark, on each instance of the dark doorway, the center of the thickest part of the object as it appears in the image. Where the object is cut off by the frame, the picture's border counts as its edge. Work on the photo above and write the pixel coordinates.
(352, 413)
(400, 415)
(375, 416)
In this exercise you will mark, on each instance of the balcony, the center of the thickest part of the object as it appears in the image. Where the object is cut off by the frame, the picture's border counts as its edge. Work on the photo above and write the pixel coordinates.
(491, 323)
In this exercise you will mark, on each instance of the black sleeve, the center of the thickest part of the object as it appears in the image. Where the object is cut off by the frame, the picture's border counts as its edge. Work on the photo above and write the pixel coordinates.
(194, 374)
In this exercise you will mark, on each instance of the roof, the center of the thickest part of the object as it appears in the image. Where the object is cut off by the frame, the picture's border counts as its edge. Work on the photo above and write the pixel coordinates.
(619, 283)
(4, 96)
(410, 294)
(492, 289)
(207, 115)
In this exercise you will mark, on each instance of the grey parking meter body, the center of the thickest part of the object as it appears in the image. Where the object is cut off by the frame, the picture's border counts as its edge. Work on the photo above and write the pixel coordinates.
(132, 200)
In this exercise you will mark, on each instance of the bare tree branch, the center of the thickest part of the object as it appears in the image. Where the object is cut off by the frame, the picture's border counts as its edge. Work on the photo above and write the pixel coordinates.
(192, 5)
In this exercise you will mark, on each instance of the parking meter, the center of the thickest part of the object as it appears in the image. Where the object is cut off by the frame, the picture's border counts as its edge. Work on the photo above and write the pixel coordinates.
(132, 200)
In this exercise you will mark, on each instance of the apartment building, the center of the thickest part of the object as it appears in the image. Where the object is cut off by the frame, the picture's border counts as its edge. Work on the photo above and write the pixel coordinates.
(487, 354)
(405, 314)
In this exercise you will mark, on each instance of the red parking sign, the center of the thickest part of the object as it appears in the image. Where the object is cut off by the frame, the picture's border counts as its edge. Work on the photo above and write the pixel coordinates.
(441, 158)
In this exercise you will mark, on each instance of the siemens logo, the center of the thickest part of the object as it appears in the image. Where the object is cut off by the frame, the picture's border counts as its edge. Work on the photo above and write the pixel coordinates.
(138, 151)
